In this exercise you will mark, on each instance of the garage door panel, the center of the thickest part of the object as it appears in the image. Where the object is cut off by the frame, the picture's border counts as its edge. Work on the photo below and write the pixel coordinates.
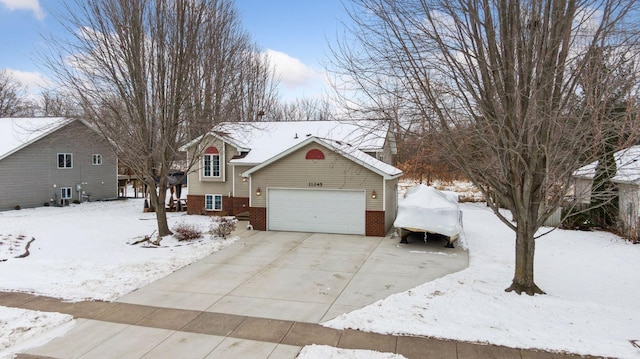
(323, 211)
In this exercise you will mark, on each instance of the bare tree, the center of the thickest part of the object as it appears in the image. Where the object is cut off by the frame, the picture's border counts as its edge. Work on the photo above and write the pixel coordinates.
(609, 105)
(235, 82)
(301, 109)
(144, 71)
(56, 103)
(500, 82)
(11, 95)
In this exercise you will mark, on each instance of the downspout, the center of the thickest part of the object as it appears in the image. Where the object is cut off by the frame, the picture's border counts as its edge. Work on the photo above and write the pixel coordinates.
(233, 179)
(384, 194)
(250, 191)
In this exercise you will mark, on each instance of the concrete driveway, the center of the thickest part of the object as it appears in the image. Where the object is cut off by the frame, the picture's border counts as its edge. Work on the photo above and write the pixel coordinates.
(303, 277)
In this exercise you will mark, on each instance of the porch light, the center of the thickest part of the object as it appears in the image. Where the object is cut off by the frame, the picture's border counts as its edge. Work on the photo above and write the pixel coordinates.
(258, 192)
(244, 179)
(374, 195)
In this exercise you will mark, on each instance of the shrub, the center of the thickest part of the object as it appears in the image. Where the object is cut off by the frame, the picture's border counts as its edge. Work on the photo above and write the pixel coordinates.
(186, 232)
(46, 204)
(16, 207)
(222, 226)
(577, 219)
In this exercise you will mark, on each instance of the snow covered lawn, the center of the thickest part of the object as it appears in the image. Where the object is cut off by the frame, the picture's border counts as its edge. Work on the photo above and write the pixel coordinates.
(84, 252)
(592, 280)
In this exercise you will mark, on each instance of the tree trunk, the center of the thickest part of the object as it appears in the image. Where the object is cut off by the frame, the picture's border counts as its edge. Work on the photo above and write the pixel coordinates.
(525, 249)
(158, 198)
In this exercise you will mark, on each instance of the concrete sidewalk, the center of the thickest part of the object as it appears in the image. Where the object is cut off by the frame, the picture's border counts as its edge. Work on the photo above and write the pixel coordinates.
(121, 330)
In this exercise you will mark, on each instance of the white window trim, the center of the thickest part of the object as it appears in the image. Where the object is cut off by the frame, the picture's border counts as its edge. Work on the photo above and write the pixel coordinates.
(58, 160)
(66, 190)
(213, 202)
(98, 157)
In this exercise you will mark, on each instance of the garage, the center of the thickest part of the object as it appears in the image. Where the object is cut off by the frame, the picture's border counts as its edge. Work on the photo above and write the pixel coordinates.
(316, 210)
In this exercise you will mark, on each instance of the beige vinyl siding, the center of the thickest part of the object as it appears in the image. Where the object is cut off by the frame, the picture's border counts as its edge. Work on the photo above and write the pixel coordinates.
(334, 172)
(391, 202)
(241, 188)
(222, 185)
(29, 175)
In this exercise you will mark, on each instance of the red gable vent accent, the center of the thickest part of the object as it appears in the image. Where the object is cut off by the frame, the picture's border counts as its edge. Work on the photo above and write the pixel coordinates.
(314, 154)
(211, 151)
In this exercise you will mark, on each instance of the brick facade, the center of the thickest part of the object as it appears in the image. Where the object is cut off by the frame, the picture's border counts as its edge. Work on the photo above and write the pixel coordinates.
(258, 218)
(240, 204)
(230, 205)
(195, 204)
(374, 224)
(227, 207)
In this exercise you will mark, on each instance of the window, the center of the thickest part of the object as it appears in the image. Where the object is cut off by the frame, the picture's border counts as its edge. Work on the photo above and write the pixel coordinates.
(96, 160)
(65, 160)
(211, 163)
(65, 193)
(314, 154)
(213, 202)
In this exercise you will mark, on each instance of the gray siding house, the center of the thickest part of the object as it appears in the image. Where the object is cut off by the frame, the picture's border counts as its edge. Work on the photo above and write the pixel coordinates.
(55, 161)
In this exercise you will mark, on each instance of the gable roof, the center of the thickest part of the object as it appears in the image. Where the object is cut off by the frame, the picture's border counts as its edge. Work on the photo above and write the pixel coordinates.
(627, 166)
(383, 169)
(263, 140)
(17, 133)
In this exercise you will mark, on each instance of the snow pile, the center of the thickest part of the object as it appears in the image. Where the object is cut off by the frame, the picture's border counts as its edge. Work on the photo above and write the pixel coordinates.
(22, 328)
(591, 306)
(327, 352)
(426, 209)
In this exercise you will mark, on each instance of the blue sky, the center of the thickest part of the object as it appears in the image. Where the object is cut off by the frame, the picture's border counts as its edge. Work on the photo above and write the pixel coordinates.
(295, 33)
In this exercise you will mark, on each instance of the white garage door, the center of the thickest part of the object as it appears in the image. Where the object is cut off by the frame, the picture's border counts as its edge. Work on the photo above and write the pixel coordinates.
(322, 211)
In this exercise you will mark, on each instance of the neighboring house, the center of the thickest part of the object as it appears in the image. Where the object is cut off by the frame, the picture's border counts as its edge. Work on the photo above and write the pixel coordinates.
(627, 180)
(54, 161)
(308, 176)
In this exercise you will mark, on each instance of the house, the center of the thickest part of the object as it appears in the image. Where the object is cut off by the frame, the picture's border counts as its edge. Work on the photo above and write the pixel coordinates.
(309, 176)
(627, 180)
(55, 161)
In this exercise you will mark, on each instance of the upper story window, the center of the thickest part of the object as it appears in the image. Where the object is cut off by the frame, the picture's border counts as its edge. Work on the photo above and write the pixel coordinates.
(96, 160)
(65, 160)
(211, 162)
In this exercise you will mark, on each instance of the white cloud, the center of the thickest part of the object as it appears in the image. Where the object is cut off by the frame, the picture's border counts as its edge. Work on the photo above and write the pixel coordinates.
(33, 81)
(31, 5)
(292, 72)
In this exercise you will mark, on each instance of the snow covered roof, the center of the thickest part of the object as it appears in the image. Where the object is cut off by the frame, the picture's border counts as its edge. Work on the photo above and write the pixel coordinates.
(384, 169)
(17, 132)
(263, 140)
(627, 163)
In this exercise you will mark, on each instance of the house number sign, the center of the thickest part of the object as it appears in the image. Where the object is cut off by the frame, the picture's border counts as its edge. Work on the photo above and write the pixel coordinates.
(315, 184)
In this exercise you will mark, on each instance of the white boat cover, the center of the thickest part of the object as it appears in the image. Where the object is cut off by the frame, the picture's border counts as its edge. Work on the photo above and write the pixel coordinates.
(425, 209)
